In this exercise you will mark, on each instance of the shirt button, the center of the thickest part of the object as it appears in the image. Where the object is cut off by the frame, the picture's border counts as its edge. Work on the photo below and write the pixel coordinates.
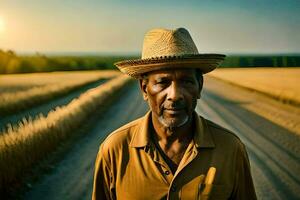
(173, 188)
(167, 172)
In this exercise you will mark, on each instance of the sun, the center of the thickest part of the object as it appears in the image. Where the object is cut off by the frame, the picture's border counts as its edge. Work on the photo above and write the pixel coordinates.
(2, 25)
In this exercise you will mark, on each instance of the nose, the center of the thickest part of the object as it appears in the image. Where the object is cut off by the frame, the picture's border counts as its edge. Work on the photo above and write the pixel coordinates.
(175, 92)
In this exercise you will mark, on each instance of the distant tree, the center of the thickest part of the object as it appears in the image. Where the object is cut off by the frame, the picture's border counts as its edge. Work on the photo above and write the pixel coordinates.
(244, 62)
(263, 62)
(279, 62)
(25, 66)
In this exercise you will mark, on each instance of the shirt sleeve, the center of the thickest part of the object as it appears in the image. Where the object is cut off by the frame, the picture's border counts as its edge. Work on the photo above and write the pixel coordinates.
(243, 187)
(103, 186)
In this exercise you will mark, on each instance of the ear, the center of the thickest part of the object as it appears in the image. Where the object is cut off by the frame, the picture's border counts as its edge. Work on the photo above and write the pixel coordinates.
(200, 87)
(143, 86)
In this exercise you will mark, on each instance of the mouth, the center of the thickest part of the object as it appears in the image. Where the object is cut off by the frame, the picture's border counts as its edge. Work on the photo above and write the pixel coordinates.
(174, 111)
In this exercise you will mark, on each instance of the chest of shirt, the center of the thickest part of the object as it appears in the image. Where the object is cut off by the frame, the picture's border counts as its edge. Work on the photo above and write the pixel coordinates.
(145, 175)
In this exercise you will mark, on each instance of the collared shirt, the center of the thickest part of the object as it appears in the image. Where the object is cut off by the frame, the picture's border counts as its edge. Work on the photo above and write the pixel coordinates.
(129, 167)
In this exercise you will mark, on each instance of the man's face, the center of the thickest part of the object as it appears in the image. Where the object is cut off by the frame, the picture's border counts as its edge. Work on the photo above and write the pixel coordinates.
(172, 95)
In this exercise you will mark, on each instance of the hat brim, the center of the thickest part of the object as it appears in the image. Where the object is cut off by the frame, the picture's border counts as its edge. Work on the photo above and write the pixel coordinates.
(204, 62)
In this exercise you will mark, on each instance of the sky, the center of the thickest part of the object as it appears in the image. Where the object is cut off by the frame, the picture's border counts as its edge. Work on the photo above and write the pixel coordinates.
(119, 26)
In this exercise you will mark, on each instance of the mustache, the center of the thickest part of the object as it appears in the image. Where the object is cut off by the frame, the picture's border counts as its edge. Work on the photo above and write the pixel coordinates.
(174, 105)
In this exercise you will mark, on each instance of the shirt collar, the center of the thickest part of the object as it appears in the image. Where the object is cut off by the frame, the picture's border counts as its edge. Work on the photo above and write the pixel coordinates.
(141, 135)
(202, 137)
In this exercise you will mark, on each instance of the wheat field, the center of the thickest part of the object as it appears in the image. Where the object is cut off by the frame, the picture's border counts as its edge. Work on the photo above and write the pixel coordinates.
(31, 140)
(10, 83)
(280, 83)
(21, 91)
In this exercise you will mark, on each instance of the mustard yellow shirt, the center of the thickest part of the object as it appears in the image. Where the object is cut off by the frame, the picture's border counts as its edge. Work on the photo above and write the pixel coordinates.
(129, 167)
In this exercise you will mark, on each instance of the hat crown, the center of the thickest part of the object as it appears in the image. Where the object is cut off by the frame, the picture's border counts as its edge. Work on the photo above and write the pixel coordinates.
(164, 42)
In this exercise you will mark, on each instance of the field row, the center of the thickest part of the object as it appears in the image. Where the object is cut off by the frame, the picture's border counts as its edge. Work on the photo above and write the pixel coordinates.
(280, 83)
(22, 147)
(20, 92)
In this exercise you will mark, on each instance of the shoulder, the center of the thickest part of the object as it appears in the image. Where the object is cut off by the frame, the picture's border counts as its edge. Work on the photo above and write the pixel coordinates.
(223, 136)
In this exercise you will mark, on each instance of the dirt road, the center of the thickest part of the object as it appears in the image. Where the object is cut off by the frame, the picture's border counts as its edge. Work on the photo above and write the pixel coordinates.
(273, 149)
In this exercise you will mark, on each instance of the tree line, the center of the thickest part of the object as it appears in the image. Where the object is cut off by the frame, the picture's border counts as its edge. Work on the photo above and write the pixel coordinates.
(11, 63)
(262, 61)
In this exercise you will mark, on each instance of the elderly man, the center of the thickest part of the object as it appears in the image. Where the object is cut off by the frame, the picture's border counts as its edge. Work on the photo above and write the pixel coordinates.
(171, 152)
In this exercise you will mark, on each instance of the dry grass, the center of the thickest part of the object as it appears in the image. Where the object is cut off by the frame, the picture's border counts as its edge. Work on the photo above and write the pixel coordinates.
(280, 83)
(31, 89)
(19, 82)
(32, 140)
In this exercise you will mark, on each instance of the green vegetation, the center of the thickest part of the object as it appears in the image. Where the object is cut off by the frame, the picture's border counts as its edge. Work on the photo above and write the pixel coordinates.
(10, 63)
(262, 61)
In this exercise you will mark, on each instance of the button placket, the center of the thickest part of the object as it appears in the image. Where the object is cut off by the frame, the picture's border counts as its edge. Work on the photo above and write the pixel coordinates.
(167, 174)
(188, 158)
(173, 188)
(163, 167)
(165, 170)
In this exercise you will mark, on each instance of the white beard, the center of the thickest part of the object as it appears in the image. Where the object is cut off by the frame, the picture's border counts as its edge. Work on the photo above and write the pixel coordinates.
(171, 123)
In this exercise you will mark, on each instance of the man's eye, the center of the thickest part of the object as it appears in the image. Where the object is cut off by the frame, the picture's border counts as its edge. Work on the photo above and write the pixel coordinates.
(162, 82)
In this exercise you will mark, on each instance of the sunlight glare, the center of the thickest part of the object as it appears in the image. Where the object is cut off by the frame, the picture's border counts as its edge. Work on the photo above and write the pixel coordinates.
(2, 25)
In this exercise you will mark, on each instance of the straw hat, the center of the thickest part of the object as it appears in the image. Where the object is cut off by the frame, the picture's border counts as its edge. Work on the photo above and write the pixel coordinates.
(169, 49)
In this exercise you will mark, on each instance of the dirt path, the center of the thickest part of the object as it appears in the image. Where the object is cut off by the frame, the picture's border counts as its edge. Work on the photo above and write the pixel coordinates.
(273, 149)
(46, 107)
(72, 178)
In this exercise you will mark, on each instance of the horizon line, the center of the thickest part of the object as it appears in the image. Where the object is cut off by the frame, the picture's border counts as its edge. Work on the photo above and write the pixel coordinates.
(101, 53)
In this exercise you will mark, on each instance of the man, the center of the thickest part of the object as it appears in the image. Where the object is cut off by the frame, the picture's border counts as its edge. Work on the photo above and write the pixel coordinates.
(171, 152)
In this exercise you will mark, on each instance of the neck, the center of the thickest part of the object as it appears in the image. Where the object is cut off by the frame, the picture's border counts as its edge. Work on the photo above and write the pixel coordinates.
(169, 135)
